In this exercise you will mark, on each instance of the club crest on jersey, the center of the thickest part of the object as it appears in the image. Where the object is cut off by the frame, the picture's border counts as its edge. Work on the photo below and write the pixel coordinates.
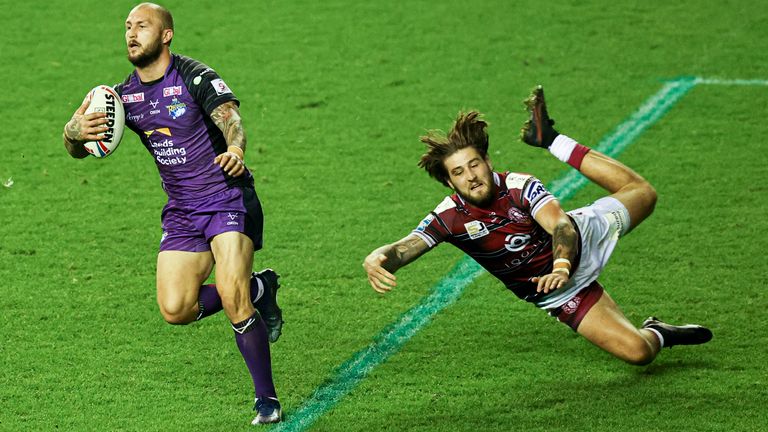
(172, 91)
(133, 98)
(476, 229)
(518, 216)
(176, 109)
(572, 305)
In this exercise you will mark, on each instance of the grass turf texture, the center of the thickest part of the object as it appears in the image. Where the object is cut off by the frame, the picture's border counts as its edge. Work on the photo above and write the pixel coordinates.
(334, 96)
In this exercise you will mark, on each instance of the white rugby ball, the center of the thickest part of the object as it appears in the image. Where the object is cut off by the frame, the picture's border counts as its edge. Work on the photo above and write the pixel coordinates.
(105, 99)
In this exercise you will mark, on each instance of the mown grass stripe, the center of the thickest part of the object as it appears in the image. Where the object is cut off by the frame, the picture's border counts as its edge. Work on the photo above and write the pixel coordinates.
(450, 288)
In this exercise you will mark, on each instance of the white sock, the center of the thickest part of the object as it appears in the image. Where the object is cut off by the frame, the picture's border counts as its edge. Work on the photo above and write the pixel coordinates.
(562, 147)
(658, 335)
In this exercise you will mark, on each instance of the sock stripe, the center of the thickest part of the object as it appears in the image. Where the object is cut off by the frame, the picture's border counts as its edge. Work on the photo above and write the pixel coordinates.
(247, 325)
(658, 335)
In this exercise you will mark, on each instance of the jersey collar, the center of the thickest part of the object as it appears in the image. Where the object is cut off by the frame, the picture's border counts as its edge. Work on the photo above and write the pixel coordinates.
(151, 83)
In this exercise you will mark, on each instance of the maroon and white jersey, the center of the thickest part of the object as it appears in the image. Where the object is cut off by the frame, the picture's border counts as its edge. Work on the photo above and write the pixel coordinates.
(504, 238)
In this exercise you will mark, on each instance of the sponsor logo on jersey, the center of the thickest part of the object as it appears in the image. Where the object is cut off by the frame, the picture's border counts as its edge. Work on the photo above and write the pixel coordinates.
(135, 117)
(166, 152)
(233, 218)
(516, 181)
(154, 110)
(220, 86)
(164, 131)
(616, 220)
(425, 223)
(176, 109)
(476, 229)
(133, 98)
(172, 91)
(535, 190)
(516, 242)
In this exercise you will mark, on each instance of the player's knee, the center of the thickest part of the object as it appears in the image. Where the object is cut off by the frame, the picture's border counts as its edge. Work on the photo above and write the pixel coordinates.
(643, 194)
(176, 313)
(176, 319)
(649, 196)
(638, 351)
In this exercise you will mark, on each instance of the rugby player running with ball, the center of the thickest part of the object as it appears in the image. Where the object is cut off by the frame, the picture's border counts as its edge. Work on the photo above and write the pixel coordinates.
(189, 121)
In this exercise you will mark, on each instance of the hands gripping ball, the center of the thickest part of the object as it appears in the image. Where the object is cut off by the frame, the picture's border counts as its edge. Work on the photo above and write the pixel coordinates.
(105, 99)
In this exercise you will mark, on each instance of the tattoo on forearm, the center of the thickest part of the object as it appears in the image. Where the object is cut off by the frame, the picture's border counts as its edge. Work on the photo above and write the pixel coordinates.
(403, 253)
(564, 240)
(73, 139)
(227, 117)
(72, 131)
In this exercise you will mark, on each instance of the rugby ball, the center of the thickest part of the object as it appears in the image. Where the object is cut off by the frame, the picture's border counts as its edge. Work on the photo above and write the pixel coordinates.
(105, 99)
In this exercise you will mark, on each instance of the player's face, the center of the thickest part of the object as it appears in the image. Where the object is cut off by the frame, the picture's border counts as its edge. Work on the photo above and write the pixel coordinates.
(143, 36)
(471, 176)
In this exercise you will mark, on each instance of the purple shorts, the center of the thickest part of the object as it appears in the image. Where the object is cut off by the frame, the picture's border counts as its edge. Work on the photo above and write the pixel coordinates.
(189, 225)
(573, 311)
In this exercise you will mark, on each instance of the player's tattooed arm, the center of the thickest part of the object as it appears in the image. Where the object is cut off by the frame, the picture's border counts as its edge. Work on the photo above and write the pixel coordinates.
(404, 252)
(553, 219)
(73, 145)
(82, 128)
(564, 241)
(382, 263)
(227, 117)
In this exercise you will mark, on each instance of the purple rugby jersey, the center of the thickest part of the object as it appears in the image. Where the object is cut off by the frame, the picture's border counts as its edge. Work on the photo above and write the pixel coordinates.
(171, 116)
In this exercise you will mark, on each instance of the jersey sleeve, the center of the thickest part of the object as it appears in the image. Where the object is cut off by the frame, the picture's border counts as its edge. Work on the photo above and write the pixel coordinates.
(433, 229)
(531, 192)
(205, 85)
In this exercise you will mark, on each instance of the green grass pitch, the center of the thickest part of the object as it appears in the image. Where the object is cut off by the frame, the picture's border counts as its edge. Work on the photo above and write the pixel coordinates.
(334, 96)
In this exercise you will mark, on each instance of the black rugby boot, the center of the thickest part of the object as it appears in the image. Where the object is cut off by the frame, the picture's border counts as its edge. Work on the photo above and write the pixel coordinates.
(538, 131)
(267, 304)
(688, 334)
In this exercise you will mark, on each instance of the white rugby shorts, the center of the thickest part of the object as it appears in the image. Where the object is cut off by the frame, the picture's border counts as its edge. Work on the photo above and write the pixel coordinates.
(600, 224)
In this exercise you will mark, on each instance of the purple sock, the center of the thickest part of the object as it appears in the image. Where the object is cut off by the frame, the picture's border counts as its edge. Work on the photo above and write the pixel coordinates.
(251, 337)
(209, 301)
